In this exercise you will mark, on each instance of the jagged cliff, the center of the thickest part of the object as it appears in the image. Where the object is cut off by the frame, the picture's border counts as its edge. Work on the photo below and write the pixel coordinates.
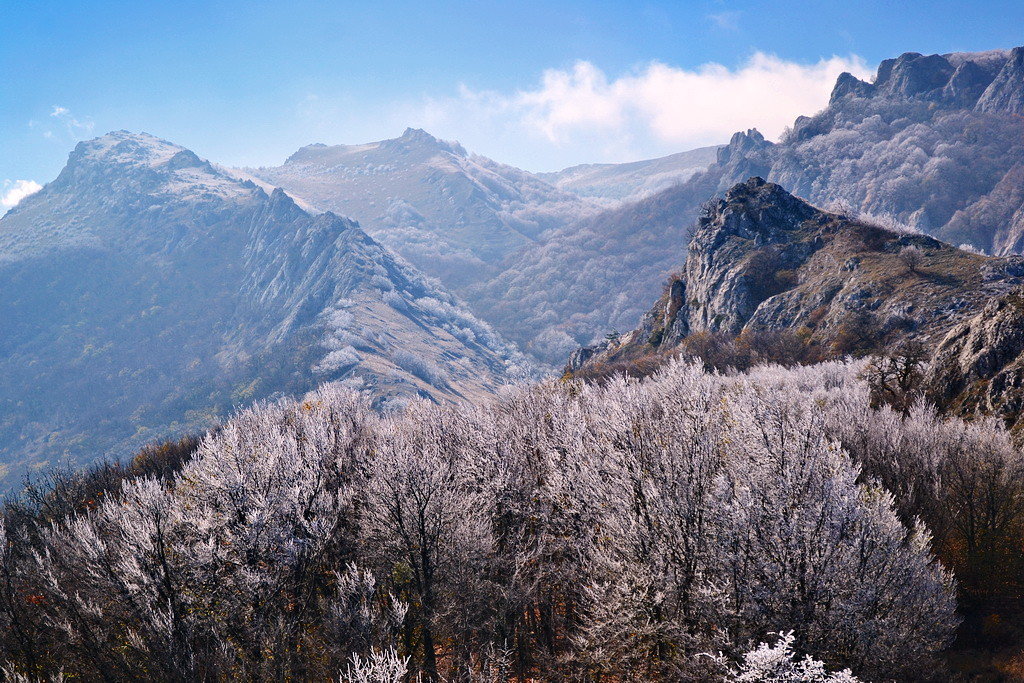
(978, 368)
(762, 260)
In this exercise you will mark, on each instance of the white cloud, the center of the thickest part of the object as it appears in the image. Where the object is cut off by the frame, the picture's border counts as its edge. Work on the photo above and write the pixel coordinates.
(14, 191)
(580, 114)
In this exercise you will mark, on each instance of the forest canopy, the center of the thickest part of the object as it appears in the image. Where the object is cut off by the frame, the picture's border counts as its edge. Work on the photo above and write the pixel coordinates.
(687, 526)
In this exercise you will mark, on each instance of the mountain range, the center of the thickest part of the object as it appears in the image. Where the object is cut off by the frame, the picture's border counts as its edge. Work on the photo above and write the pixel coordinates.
(934, 142)
(454, 215)
(404, 265)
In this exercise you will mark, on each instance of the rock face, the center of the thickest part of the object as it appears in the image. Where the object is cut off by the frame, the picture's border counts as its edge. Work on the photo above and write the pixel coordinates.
(743, 239)
(145, 293)
(979, 366)
(747, 154)
(956, 79)
(762, 260)
(1005, 94)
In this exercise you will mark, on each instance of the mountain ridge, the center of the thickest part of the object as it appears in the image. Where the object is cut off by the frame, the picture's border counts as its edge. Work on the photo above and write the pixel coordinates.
(632, 180)
(453, 214)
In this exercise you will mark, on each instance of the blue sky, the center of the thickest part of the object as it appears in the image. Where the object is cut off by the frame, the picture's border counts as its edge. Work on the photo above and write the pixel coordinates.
(538, 84)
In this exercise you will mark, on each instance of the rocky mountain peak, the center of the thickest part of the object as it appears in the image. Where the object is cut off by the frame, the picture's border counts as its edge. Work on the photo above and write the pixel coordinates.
(125, 148)
(121, 164)
(913, 74)
(741, 143)
(417, 139)
(746, 155)
(756, 228)
(755, 209)
(992, 81)
(764, 261)
(192, 291)
(848, 84)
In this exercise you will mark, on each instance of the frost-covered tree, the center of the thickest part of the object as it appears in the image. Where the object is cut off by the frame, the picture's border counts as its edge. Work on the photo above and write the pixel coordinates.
(426, 521)
(561, 530)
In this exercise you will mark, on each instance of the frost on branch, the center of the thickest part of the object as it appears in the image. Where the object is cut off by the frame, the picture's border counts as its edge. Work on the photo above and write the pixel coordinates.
(779, 664)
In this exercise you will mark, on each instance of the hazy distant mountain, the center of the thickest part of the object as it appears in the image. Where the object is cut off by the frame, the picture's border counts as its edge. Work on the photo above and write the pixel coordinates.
(466, 219)
(145, 293)
(455, 215)
(631, 181)
(592, 276)
(936, 142)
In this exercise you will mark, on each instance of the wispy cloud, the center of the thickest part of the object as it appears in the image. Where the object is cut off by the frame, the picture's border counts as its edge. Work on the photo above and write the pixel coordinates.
(61, 123)
(582, 114)
(74, 126)
(14, 191)
(727, 21)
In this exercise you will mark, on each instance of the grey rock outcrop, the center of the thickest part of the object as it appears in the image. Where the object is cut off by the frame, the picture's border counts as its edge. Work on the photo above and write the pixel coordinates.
(979, 367)
(912, 74)
(740, 241)
(745, 156)
(967, 83)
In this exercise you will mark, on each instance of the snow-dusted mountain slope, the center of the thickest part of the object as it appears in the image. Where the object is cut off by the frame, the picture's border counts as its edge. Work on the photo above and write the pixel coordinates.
(145, 293)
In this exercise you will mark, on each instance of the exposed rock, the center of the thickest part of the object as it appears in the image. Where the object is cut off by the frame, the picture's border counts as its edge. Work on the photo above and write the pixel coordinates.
(580, 357)
(967, 83)
(1006, 93)
(912, 74)
(979, 367)
(744, 156)
(740, 241)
